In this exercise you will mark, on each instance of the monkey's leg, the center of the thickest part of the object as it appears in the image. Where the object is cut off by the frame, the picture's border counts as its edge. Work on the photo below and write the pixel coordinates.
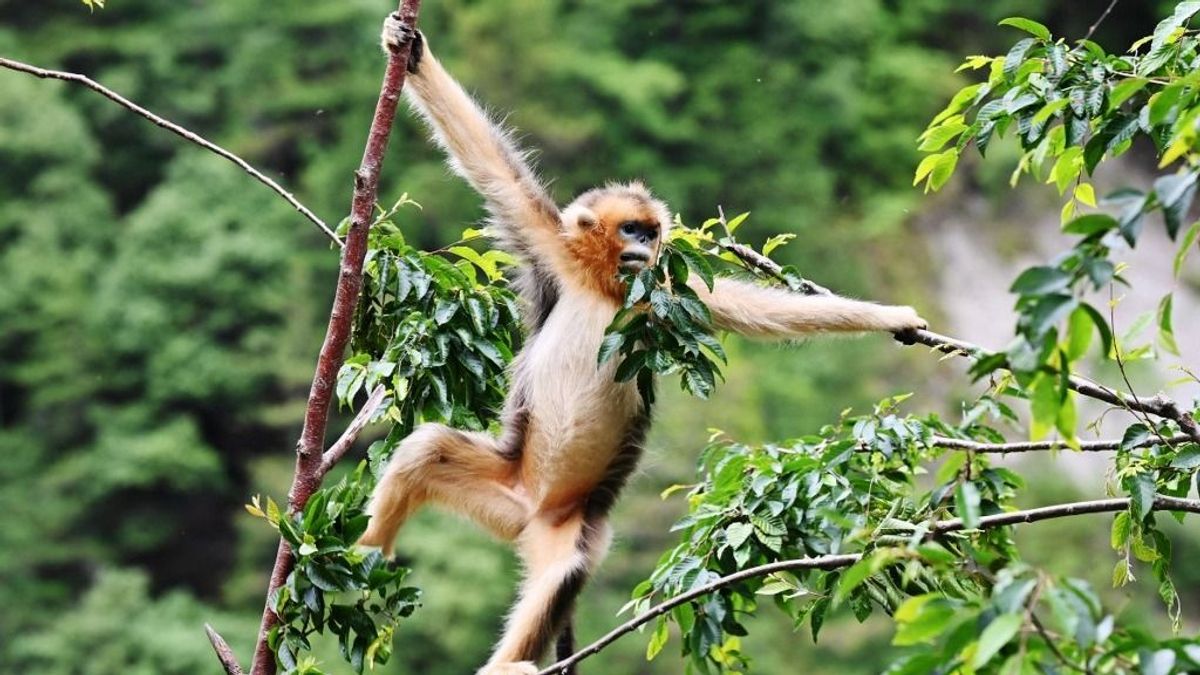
(559, 554)
(461, 471)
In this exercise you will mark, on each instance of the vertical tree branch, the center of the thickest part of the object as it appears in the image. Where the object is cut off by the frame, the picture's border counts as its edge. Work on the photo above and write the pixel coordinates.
(309, 448)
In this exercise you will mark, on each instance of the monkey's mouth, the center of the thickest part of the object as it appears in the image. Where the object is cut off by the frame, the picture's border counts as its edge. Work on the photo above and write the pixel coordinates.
(633, 260)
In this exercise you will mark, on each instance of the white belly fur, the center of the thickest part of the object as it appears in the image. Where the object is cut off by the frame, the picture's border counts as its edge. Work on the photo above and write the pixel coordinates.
(579, 413)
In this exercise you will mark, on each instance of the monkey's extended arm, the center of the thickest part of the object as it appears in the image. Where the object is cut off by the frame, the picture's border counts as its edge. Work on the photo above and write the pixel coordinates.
(524, 218)
(756, 311)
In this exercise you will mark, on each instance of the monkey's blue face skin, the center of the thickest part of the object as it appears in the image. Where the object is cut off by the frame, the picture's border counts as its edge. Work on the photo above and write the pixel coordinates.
(639, 238)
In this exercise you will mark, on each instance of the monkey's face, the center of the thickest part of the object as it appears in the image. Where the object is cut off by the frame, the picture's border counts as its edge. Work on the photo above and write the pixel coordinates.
(614, 229)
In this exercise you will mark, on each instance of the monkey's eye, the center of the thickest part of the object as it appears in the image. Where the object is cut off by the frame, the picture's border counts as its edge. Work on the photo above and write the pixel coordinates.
(629, 228)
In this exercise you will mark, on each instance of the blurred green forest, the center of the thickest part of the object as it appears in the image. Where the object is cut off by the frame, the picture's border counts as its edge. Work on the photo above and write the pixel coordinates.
(160, 312)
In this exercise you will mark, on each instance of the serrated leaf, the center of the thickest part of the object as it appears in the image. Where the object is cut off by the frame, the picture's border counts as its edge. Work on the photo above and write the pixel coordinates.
(1141, 495)
(1016, 56)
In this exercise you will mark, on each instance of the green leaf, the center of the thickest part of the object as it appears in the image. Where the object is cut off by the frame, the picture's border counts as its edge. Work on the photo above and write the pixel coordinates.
(609, 346)
(1135, 436)
(925, 167)
(631, 365)
(1067, 168)
(737, 533)
(1123, 90)
(1048, 110)
(1041, 280)
(1141, 495)
(1162, 103)
(1166, 333)
(998, 633)
(1079, 334)
(1016, 56)
(1189, 241)
(658, 639)
(1029, 26)
(1120, 531)
(1044, 404)
(1101, 324)
(1091, 224)
(1187, 458)
(736, 222)
(1164, 30)
(923, 618)
(938, 137)
(966, 504)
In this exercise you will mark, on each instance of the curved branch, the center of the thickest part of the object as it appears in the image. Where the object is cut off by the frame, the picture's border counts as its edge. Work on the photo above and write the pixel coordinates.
(1033, 446)
(830, 562)
(1159, 405)
(174, 128)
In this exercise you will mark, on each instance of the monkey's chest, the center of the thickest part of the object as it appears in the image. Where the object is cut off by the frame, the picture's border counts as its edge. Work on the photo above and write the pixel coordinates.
(579, 414)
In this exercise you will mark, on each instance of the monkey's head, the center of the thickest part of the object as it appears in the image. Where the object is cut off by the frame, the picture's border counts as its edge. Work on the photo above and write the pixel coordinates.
(619, 227)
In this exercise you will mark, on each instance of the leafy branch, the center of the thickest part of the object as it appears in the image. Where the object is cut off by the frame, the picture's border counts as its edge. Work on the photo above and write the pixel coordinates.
(832, 562)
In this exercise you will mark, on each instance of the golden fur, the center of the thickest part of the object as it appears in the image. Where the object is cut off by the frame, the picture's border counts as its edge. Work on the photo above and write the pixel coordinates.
(571, 433)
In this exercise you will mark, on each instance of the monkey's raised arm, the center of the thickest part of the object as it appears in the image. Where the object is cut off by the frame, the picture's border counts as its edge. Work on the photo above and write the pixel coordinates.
(525, 220)
(755, 311)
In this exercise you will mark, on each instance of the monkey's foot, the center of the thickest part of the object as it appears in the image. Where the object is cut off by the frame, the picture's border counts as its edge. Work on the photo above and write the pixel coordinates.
(521, 668)
(398, 35)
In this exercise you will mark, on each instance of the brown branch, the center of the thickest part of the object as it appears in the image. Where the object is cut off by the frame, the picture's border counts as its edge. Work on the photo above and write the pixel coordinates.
(224, 653)
(1159, 405)
(1033, 446)
(186, 134)
(830, 562)
(826, 562)
(336, 451)
(309, 459)
(764, 264)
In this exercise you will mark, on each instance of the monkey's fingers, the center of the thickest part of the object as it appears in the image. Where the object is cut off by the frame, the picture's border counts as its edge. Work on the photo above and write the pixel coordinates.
(398, 35)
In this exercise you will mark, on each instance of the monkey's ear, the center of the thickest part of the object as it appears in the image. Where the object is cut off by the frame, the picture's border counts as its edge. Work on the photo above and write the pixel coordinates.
(580, 217)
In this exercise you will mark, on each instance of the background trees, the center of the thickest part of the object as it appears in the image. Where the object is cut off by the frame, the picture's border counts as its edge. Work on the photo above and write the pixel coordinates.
(159, 313)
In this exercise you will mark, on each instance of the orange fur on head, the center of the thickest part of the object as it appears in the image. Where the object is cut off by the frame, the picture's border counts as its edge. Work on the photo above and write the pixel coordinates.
(591, 229)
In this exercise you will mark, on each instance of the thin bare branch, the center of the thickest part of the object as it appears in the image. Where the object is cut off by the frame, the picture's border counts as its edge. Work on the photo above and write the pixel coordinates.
(829, 562)
(1107, 10)
(174, 128)
(336, 451)
(1033, 446)
(1159, 405)
(309, 456)
(224, 654)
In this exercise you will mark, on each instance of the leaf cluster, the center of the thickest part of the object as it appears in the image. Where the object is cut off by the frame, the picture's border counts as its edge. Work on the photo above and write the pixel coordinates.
(358, 596)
